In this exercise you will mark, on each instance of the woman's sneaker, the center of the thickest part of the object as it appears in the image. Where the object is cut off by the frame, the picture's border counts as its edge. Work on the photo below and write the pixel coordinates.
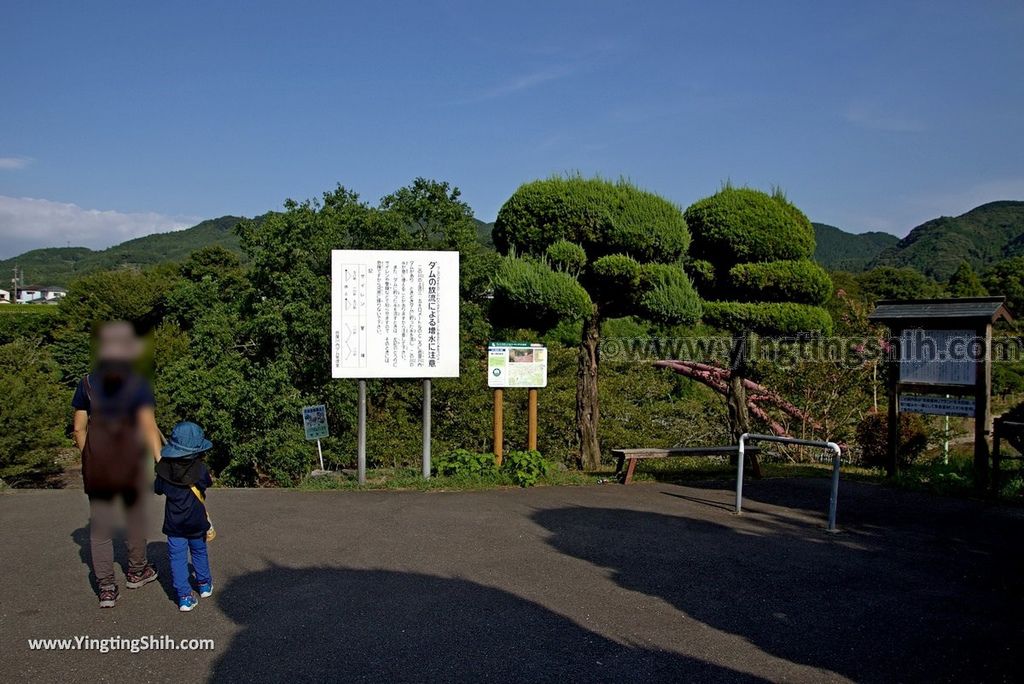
(134, 580)
(187, 603)
(108, 597)
(206, 589)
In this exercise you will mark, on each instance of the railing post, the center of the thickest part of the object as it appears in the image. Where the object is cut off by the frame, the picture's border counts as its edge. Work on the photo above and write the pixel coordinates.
(833, 499)
(741, 457)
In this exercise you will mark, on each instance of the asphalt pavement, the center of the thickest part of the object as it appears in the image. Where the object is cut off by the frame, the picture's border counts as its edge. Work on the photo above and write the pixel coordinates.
(647, 582)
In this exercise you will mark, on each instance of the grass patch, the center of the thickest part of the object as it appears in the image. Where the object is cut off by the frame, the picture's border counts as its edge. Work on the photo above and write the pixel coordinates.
(411, 479)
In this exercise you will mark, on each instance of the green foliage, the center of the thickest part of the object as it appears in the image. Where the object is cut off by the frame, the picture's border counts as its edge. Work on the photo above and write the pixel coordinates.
(603, 217)
(739, 225)
(33, 411)
(566, 256)
(667, 295)
(614, 281)
(800, 281)
(525, 288)
(838, 250)
(31, 322)
(887, 282)
(464, 462)
(702, 274)
(525, 467)
(965, 282)
(1006, 278)
(768, 318)
(982, 237)
(872, 438)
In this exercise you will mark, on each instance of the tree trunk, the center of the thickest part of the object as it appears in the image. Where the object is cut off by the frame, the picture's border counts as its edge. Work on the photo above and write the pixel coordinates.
(736, 396)
(587, 409)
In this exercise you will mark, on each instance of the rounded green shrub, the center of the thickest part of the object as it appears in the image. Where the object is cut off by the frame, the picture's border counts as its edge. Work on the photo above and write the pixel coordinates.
(738, 225)
(800, 280)
(604, 217)
(566, 256)
(527, 287)
(768, 318)
(667, 295)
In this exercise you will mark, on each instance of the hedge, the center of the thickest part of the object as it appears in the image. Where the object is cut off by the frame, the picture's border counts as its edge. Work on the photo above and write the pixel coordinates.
(801, 281)
(768, 318)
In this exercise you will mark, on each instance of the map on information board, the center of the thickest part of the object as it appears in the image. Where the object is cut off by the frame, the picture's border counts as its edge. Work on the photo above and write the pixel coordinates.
(517, 364)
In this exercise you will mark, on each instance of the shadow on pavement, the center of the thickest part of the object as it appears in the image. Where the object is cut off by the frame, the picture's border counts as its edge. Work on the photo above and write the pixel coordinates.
(156, 553)
(890, 610)
(336, 624)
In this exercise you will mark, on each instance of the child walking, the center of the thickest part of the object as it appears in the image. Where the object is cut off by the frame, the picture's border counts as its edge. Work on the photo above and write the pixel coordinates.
(183, 478)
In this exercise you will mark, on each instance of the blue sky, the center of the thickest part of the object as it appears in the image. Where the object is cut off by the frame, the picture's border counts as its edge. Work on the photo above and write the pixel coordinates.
(119, 119)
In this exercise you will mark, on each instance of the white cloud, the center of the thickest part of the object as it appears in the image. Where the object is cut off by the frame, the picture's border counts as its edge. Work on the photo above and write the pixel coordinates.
(528, 81)
(11, 163)
(28, 223)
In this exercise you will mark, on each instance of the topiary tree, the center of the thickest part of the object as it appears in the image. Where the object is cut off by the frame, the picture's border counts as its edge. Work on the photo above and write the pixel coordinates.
(590, 249)
(755, 252)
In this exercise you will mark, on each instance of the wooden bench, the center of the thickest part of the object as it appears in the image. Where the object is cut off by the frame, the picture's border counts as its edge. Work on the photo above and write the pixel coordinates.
(627, 458)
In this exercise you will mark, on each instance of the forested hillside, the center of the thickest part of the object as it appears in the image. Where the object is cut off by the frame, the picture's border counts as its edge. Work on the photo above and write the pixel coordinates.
(837, 250)
(61, 265)
(980, 237)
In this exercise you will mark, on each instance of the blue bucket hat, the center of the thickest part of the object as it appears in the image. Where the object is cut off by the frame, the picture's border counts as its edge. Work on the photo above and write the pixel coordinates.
(187, 439)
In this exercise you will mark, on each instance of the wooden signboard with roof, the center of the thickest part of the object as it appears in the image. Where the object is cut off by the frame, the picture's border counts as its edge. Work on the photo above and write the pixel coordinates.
(940, 363)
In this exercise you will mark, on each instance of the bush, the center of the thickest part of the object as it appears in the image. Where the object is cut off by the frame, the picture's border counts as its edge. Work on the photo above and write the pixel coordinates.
(464, 462)
(33, 412)
(603, 217)
(801, 281)
(739, 225)
(667, 295)
(768, 318)
(872, 437)
(527, 285)
(567, 256)
(525, 467)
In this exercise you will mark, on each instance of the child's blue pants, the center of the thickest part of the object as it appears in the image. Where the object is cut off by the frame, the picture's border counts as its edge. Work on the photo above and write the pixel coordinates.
(178, 549)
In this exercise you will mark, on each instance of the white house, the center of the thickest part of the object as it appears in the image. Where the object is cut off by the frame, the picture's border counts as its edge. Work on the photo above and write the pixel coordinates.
(29, 294)
(54, 294)
(5, 297)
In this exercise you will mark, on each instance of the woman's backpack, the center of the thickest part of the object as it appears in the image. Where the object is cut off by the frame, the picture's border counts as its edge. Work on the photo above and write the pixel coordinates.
(114, 452)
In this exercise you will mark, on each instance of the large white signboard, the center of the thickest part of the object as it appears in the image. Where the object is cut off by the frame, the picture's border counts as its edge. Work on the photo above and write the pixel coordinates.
(517, 364)
(938, 357)
(394, 314)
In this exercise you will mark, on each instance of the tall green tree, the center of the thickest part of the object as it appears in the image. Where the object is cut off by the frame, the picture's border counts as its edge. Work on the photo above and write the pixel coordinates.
(965, 282)
(1006, 278)
(590, 249)
(756, 249)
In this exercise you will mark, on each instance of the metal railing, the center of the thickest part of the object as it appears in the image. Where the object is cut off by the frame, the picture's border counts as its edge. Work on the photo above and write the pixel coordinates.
(833, 496)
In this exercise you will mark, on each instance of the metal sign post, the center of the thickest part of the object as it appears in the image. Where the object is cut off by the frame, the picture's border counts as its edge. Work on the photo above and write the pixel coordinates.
(426, 428)
(361, 431)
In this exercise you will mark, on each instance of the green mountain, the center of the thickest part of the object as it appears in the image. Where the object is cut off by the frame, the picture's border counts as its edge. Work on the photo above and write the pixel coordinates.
(60, 265)
(980, 237)
(837, 250)
(483, 233)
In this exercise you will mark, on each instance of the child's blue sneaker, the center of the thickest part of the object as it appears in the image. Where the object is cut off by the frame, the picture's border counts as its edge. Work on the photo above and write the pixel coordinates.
(187, 603)
(206, 589)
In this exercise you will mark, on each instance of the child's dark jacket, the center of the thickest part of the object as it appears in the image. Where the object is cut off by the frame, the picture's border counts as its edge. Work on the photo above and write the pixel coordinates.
(184, 514)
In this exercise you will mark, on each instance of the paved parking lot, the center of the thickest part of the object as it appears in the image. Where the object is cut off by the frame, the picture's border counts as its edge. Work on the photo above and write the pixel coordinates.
(648, 582)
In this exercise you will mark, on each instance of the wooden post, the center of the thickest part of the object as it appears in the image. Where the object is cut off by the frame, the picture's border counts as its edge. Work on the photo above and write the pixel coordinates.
(982, 390)
(893, 421)
(531, 425)
(499, 427)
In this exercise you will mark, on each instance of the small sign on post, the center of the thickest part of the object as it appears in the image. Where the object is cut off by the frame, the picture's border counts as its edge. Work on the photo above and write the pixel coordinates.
(516, 364)
(314, 420)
